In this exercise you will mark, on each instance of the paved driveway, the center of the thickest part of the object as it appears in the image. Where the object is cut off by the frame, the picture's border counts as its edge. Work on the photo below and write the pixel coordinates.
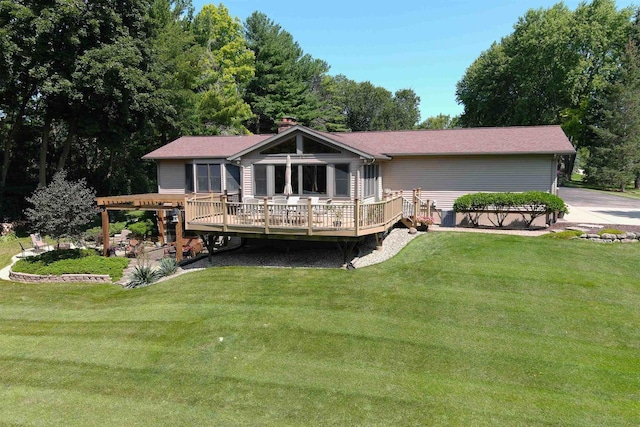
(582, 197)
(596, 207)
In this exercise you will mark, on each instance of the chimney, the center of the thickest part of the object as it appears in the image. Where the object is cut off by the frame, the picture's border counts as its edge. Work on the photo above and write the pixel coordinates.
(286, 123)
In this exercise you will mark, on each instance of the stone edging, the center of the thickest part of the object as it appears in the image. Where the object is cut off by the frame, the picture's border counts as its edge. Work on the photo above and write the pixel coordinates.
(611, 238)
(65, 278)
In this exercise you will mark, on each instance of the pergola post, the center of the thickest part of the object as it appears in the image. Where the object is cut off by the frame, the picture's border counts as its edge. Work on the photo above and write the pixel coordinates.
(105, 232)
(161, 226)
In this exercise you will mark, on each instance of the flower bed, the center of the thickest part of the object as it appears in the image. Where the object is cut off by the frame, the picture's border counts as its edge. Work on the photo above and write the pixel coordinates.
(73, 263)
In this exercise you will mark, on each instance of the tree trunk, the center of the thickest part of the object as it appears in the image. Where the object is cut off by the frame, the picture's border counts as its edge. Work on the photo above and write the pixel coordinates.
(8, 144)
(71, 135)
(636, 182)
(46, 131)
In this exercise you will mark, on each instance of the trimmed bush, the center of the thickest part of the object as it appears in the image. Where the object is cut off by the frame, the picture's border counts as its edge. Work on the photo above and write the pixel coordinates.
(530, 204)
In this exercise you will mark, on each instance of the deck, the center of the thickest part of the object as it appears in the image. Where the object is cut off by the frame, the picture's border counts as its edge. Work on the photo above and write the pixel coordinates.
(266, 219)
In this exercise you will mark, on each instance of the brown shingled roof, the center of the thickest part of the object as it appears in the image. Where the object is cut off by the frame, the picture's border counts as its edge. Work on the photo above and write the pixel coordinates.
(194, 147)
(504, 140)
(469, 141)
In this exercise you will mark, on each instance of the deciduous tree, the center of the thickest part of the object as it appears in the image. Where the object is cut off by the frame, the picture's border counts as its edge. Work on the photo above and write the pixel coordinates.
(63, 208)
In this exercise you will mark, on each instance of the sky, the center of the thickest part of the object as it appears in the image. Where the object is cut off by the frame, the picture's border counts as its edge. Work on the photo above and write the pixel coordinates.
(422, 45)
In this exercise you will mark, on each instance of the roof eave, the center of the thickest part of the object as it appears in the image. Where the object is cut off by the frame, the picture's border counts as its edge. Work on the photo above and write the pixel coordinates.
(480, 153)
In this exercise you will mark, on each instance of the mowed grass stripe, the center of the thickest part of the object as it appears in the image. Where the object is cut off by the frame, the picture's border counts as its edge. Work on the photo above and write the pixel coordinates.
(456, 329)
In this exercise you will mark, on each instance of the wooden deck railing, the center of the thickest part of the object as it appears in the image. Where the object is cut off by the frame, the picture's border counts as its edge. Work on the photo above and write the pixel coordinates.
(211, 213)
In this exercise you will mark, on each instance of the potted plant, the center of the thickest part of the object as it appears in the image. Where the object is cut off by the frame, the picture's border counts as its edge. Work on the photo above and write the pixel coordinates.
(423, 223)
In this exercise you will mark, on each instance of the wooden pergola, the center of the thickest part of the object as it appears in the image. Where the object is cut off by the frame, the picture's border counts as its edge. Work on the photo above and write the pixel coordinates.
(150, 202)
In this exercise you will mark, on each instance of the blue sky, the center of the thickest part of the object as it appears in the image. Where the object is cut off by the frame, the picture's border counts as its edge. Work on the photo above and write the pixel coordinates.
(423, 45)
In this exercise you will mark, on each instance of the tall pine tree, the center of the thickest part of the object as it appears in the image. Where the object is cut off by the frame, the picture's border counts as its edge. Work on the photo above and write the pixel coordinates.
(615, 153)
(284, 78)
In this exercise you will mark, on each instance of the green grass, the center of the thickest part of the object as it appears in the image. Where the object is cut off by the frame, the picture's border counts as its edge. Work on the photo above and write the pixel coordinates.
(458, 329)
(72, 261)
(10, 248)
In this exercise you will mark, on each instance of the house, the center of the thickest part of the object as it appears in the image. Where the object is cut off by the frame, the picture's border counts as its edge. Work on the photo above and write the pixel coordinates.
(370, 176)
(361, 165)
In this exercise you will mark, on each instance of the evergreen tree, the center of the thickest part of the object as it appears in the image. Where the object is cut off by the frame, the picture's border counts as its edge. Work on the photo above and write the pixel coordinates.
(615, 150)
(284, 76)
(227, 66)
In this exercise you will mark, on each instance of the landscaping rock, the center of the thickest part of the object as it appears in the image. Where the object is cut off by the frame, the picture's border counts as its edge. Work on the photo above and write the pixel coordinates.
(608, 236)
(631, 235)
(629, 241)
(584, 230)
(594, 236)
(413, 230)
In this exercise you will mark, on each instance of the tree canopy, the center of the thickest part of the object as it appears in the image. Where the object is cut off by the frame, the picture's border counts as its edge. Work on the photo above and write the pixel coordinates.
(63, 208)
(90, 87)
(558, 66)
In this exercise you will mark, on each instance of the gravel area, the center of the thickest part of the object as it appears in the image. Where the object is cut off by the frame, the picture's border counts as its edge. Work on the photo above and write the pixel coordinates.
(392, 244)
(300, 254)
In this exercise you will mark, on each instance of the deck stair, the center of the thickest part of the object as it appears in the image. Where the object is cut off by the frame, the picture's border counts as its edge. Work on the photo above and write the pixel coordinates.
(413, 206)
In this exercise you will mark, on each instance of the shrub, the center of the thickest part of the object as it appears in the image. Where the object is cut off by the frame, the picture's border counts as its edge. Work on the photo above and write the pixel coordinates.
(564, 235)
(167, 267)
(532, 205)
(142, 228)
(9, 237)
(610, 231)
(472, 205)
(142, 275)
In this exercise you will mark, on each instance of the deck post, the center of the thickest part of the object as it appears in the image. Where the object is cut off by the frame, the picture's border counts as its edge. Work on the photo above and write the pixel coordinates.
(179, 238)
(414, 220)
(266, 215)
(105, 232)
(225, 224)
(309, 217)
(356, 217)
(429, 208)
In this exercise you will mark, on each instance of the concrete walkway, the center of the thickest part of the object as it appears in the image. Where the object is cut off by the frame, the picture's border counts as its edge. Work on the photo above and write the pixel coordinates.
(4, 273)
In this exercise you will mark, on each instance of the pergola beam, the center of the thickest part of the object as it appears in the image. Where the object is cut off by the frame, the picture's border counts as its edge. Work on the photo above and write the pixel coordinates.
(148, 202)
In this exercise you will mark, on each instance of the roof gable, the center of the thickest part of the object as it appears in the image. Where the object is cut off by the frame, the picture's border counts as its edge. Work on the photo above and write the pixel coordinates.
(324, 137)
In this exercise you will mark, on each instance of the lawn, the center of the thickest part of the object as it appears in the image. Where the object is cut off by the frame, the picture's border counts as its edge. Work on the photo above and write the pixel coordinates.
(458, 329)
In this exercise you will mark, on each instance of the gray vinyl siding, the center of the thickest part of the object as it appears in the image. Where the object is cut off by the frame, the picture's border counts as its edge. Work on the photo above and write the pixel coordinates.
(171, 177)
(446, 178)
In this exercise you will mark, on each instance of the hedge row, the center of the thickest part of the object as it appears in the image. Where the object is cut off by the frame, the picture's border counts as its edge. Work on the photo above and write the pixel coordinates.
(530, 204)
